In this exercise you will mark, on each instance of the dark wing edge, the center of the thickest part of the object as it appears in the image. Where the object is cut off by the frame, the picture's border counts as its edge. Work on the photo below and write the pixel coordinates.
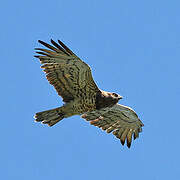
(58, 49)
(121, 120)
(54, 60)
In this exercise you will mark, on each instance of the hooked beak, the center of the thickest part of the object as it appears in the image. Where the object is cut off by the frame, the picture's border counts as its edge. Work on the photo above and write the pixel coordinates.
(120, 97)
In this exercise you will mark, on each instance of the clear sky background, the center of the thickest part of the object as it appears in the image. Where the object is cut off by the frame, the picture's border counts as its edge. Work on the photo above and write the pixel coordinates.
(133, 48)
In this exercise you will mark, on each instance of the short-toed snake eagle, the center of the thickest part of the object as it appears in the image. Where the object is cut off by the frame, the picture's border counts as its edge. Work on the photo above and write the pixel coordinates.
(73, 81)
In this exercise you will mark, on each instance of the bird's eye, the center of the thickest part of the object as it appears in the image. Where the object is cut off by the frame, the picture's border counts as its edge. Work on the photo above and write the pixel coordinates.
(115, 94)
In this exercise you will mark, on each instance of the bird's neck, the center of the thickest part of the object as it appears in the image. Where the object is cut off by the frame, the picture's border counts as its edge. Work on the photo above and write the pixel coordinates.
(103, 101)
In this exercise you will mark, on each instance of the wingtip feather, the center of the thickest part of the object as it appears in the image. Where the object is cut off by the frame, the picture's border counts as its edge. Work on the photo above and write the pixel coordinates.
(36, 56)
(128, 144)
(122, 141)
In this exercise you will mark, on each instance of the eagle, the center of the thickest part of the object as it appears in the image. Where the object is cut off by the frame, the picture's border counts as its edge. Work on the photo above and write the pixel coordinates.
(73, 81)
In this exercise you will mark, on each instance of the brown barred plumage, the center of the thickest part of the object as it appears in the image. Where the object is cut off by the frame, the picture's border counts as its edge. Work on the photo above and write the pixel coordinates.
(73, 81)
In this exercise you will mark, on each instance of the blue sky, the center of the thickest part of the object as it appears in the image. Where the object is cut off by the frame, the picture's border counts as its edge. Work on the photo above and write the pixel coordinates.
(133, 48)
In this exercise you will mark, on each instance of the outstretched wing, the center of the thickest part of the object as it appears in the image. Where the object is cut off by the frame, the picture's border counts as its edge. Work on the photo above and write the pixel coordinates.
(70, 76)
(119, 119)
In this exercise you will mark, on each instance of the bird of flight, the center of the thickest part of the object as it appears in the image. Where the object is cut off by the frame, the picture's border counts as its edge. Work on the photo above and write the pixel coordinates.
(73, 81)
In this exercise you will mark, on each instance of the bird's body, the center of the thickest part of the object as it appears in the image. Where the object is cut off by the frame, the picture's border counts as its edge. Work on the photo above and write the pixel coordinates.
(73, 81)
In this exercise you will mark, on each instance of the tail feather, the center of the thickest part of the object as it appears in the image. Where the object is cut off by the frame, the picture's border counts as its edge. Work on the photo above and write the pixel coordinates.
(50, 117)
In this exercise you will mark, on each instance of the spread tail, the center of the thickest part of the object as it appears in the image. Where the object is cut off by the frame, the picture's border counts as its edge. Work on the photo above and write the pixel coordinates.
(50, 117)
